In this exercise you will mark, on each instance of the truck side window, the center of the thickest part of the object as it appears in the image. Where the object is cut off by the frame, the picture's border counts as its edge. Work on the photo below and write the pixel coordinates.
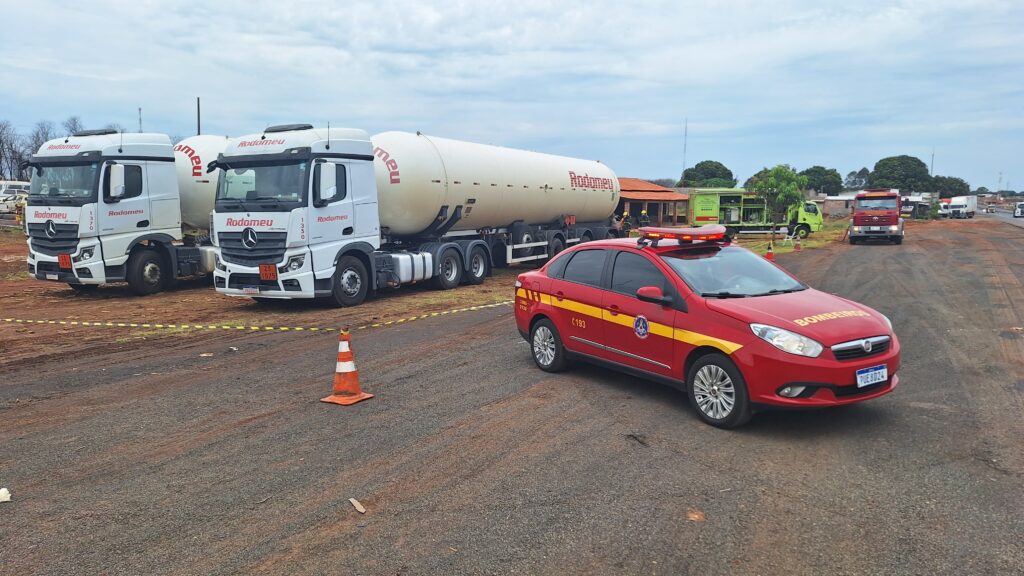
(341, 187)
(586, 267)
(633, 271)
(811, 208)
(132, 182)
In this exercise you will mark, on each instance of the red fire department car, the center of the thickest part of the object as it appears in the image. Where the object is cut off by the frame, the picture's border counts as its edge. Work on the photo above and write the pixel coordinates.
(685, 306)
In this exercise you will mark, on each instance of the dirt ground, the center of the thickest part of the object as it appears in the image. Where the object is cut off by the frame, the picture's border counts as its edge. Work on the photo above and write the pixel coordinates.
(208, 453)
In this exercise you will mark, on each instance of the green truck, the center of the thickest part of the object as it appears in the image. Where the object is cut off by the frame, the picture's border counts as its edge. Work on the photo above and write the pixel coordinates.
(742, 211)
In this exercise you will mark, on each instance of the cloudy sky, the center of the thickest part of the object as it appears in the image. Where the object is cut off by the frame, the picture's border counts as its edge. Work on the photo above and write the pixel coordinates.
(840, 84)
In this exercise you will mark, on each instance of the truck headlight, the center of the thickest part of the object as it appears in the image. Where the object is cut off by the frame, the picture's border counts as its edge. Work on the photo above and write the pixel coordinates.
(86, 254)
(218, 264)
(856, 228)
(787, 341)
(294, 263)
(893, 228)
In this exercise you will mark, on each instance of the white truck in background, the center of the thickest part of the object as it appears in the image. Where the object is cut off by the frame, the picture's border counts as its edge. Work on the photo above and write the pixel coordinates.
(121, 207)
(1018, 210)
(333, 213)
(962, 206)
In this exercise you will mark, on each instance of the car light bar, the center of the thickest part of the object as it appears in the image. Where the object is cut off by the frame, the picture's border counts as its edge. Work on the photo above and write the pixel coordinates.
(708, 233)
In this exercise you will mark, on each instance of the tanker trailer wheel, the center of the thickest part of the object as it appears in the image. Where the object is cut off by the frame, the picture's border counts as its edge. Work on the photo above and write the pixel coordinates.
(478, 266)
(555, 247)
(350, 282)
(449, 270)
(145, 272)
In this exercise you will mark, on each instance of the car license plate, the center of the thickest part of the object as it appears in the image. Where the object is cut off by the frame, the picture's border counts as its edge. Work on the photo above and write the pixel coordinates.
(250, 289)
(268, 272)
(873, 375)
(51, 276)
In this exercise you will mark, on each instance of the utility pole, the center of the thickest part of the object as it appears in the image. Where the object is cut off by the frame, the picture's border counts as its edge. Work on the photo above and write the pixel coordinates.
(686, 130)
(198, 124)
(931, 167)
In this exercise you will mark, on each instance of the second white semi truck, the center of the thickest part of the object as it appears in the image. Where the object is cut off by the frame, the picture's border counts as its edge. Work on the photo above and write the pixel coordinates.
(305, 212)
(121, 207)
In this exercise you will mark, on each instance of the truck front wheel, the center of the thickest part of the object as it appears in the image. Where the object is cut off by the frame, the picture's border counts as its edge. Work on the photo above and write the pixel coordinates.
(350, 282)
(803, 231)
(449, 270)
(145, 272)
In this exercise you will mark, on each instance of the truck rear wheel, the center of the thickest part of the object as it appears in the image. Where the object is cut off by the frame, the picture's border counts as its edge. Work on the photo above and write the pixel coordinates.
(145, 272)
(478, 266)
(350, 282)
(449, 270)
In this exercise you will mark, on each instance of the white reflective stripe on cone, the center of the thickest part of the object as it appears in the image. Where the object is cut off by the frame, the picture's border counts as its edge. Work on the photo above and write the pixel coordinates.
(343, 346)
(346, 366)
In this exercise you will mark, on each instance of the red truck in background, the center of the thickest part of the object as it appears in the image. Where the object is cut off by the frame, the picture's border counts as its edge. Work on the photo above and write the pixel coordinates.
(876, 214)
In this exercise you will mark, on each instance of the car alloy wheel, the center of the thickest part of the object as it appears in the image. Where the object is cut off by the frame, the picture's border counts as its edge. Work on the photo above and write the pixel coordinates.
(714, 392)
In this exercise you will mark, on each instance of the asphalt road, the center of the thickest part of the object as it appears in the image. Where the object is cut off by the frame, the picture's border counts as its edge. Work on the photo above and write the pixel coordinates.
(157, 460)
(1004, 217)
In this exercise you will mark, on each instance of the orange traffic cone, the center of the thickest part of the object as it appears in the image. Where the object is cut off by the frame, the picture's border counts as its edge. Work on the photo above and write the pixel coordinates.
(770, 254)
(797, 247)
(346, 377)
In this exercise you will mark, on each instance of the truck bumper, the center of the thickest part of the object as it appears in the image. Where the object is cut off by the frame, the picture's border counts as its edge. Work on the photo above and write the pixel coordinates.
(244, 281)
(90, 271)
(881, 232)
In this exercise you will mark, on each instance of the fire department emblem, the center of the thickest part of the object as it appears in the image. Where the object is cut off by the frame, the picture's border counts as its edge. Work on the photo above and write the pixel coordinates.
(641, 327)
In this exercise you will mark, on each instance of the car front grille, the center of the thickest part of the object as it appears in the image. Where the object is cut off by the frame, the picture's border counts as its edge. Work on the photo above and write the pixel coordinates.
(269, 248)
(65, 241)
(854, 349)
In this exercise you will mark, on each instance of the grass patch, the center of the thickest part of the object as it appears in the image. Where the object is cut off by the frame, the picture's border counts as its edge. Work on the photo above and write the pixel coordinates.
(15, 276)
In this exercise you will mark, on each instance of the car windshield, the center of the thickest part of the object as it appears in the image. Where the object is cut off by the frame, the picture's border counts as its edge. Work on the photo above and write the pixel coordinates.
(262, 187)
(729, 272)
(876, 204)
(64, 184)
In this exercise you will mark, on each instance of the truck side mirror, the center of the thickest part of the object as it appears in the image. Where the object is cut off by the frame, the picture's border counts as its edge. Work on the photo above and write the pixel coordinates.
(116, 181)
(326, 184)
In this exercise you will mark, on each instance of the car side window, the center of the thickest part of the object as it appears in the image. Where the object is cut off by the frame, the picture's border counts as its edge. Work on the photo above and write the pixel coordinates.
(557, 266)
(586, 267)
(632, 271)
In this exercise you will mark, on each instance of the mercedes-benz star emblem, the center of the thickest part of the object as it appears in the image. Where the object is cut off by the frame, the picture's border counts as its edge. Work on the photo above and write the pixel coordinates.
(866, 345)
(249, 238)
(51, 229)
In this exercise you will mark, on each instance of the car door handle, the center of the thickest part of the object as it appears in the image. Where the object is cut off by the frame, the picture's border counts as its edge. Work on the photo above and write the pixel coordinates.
(614, 310)
(559, 296)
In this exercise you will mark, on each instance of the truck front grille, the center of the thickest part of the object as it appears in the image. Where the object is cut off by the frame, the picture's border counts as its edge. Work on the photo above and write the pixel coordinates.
(65, 241)
(269, 248)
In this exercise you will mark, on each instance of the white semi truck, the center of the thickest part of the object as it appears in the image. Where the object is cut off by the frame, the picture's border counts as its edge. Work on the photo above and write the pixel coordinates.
(332, 213)
(112, 207)
(962, 206)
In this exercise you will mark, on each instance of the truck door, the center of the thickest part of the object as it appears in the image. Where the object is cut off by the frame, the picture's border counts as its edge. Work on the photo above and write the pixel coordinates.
(121, 220)
(331, 220)
(639, 334)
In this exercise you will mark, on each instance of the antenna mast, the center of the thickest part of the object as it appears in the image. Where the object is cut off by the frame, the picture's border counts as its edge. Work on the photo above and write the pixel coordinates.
(140, 119)
(686, 130)
(199, 129)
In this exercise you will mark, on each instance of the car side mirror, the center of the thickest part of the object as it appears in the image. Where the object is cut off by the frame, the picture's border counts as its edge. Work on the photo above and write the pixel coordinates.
(654, 295)
(327, 184)
(116, 181)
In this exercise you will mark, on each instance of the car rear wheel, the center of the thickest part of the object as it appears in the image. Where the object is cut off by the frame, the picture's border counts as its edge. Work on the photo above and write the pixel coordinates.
(718, 392)
(546, 345)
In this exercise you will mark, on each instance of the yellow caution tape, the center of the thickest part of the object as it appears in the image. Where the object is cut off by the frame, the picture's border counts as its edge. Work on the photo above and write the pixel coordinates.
(236, 327)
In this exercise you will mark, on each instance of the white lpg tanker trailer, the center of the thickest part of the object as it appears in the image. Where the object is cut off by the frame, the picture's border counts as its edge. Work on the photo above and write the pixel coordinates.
(121, 207)
(305, 212)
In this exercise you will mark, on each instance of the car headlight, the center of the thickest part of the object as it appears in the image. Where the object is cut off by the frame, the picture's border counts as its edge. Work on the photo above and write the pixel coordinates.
(294, 263)
(86, 254)
(787, 341)
(887, 321)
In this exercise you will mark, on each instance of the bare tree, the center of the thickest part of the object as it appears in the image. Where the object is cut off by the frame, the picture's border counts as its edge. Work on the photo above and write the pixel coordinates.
(41, 132)
(73, 125)
(10, 152)
(115, 126)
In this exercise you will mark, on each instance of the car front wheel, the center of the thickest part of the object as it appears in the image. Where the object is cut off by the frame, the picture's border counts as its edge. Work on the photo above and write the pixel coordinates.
(718, 392)
(546, 345)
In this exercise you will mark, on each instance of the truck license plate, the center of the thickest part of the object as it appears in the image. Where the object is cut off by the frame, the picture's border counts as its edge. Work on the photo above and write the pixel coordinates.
(250, 289)
(51, 276)
(873, 375)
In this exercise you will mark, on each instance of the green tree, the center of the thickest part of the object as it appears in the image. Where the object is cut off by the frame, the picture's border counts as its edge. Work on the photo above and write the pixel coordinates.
(823, 179)
(718, 183)
(949, 186)
(982, 190)
(705, 170)
(857, 179)
(907, 173)
(780, 187)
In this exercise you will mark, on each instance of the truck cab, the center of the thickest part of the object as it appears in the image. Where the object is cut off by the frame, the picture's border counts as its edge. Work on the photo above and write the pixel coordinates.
(742, 211)
(296, 215)
(1018, 211)
(876, 214)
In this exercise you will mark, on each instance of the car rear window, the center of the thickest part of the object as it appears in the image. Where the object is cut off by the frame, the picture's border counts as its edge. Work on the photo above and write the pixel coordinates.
(585, 267)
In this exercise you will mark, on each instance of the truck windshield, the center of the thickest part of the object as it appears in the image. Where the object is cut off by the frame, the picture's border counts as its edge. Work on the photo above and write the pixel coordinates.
(876, 204)
(729, 272)
(262, 187)
(64, 184)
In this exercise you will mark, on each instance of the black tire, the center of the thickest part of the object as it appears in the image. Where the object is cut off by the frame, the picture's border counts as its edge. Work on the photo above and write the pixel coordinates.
(146, 272)
(803, 231)
(479, 266)
(83, 288)
(555, 247)
(712, 383)
(546, 347)
(897, 240)
(586, 238)
(449, 270)
(852, 240)
(350, 283)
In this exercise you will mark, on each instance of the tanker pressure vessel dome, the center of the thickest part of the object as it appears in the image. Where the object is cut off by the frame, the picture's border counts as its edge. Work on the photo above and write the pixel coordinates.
(417, 175)
(198, 189)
